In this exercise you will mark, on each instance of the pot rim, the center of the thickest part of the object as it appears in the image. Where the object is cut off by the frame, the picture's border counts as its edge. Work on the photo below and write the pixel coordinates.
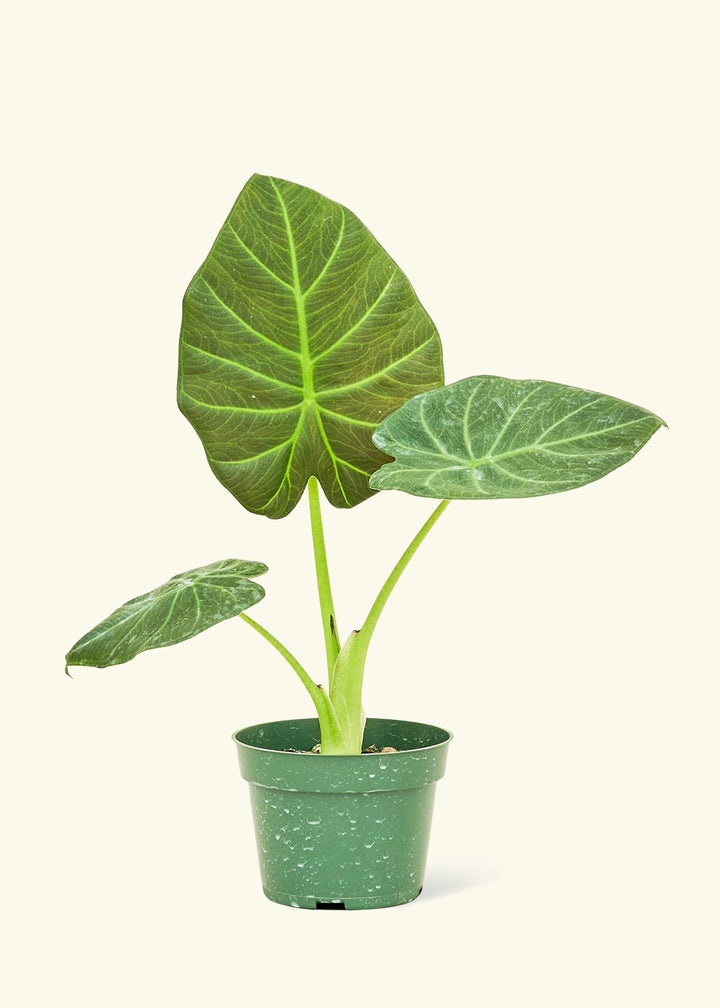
(278, 721)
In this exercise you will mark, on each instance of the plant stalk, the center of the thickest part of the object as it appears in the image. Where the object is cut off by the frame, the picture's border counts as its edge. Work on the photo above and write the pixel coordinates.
(379, 604)
(346, 689)
(329, 725)
(327, 608)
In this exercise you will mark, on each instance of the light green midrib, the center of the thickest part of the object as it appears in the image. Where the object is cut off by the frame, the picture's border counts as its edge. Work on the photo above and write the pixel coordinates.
(306, 362)
(286, 350)
(305, 359)
(137, 618)
(173, 586)
(306, 368)
(489, 460)
(177, 591)
(542, 445)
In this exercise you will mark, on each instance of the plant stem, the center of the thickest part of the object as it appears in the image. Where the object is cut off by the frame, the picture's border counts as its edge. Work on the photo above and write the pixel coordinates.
(287, 655)
(327, 608)
(346, 691)
(329, 725)
(379, 604)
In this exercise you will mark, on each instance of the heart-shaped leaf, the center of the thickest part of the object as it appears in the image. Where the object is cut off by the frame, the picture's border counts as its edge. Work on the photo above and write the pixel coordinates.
(181, 608)
(299, 334)
(490, 437)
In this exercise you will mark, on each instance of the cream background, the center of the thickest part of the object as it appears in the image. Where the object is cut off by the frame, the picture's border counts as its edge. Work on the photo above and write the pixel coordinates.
(546, 175)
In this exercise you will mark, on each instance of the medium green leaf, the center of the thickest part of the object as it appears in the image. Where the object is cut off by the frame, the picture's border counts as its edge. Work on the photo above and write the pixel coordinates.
(182, 607)
(299, 334)
(490, 437)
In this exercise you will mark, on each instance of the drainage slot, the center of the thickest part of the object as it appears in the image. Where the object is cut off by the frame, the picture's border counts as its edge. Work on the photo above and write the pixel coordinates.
(329, 905)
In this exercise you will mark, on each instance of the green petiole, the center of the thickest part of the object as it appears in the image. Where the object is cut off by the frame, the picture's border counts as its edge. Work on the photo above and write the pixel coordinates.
(340, 713)
(327, 608)
(329, 725)
(346, 689)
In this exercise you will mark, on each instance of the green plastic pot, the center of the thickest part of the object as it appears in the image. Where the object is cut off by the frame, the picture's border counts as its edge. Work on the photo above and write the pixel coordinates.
(342, 832)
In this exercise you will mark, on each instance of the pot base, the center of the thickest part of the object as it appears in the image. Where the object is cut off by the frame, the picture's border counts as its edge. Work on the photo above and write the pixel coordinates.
(357, 903)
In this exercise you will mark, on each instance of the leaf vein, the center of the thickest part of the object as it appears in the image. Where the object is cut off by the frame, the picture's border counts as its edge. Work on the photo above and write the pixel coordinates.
(569, 439)
(567, 417)
(509, 420)
(330, 258)
(242, 367)
(260, 263)
(240, 409)
(243, 322)
(375, 375)
(346, 335)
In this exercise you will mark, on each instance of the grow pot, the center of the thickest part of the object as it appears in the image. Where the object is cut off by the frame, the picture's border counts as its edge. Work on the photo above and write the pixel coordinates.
(342, 832)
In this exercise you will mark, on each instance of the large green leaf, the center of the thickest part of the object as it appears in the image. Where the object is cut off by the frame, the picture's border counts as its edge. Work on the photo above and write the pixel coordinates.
(492, 437)
(180, 608)
(299, 334)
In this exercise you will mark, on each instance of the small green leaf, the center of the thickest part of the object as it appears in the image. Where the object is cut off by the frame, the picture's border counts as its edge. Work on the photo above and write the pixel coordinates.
(299, 334)
(181, 608)
(489, 437)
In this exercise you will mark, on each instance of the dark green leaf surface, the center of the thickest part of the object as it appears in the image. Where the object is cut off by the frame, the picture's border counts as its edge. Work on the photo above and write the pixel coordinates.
(489, 437)
(299, 334)
(184, 606)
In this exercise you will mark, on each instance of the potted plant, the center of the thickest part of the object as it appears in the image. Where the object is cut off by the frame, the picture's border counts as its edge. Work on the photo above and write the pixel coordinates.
(306, 360)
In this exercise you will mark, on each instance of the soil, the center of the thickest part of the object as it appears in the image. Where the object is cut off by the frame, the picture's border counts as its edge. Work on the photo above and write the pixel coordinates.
(370, 749)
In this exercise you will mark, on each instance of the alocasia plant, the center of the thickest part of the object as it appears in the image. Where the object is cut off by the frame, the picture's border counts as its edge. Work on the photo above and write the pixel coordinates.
(307, 360)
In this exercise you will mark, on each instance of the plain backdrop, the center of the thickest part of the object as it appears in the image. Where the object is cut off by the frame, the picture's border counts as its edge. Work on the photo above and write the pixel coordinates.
(546, 175)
